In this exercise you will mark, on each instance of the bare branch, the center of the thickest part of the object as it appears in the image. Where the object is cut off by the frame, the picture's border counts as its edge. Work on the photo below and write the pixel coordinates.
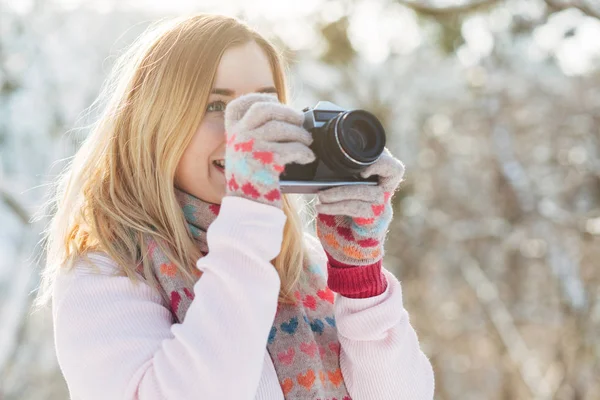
(14, 205)
(582, 5)
(14, 315)
(435, 11)
(502, 320)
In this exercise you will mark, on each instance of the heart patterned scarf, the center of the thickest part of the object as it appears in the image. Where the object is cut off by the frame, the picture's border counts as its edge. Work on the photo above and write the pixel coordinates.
(303, 342)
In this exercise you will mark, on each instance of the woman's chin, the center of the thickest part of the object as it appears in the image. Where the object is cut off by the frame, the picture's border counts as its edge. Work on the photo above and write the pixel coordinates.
(220, 193)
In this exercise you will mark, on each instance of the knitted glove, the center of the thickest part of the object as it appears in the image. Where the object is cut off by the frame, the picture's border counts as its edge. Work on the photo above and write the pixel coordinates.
(352, 221)
(262, 136)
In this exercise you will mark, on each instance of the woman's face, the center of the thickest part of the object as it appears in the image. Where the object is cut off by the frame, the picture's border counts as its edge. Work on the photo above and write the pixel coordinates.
(243, 69)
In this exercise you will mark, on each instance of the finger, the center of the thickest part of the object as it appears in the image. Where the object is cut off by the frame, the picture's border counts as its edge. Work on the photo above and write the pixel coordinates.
(386, 166)
(389, 169)
(260, 113)
(279, 131)
(352, 208)
(372, 194)
(286, 153)
(237, 108)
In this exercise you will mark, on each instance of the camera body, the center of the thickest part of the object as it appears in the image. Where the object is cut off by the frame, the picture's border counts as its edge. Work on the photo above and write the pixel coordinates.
(345, 142)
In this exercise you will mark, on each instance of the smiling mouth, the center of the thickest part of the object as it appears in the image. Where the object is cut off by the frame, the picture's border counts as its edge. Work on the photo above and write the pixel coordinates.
(219, 164)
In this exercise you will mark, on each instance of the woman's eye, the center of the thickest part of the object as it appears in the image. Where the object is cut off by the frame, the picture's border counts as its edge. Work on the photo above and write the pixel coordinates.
(216, 106)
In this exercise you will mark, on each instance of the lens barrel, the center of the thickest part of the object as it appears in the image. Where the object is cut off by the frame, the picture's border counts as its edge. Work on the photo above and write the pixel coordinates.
(353, 140)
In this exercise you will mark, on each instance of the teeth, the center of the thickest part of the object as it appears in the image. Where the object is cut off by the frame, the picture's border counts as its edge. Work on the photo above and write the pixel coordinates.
(220, 163)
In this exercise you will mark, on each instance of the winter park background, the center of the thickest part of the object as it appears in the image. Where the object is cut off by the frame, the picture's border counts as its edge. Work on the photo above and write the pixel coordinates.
(494, 106)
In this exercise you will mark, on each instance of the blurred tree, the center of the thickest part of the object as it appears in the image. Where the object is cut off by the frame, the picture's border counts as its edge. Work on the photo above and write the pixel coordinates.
(339, 49)
(502, 152)
(494, 106)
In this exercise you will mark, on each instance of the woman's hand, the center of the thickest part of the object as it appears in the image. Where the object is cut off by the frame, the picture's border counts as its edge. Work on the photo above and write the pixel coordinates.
(352, 221)
(263, 135)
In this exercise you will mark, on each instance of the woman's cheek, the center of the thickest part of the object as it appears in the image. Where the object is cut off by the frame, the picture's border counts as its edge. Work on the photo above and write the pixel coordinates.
(215, 124)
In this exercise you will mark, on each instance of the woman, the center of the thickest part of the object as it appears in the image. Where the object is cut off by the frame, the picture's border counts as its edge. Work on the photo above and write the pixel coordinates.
(178, 270)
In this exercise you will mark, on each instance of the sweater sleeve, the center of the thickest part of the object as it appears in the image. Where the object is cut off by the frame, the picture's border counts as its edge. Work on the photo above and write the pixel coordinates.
(116, 340)
(380, 354)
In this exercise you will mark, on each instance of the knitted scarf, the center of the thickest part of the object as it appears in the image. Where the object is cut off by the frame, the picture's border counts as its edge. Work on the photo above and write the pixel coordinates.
(303, 341)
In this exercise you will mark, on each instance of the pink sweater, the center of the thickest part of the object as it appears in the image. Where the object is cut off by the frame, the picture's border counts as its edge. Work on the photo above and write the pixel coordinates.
(117, 340)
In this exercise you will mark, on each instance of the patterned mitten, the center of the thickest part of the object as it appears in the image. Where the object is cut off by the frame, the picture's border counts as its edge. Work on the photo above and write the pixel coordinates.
(263, 135)
(352, 221)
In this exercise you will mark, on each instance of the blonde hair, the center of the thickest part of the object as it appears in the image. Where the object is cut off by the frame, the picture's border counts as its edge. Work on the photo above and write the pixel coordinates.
(121, 181)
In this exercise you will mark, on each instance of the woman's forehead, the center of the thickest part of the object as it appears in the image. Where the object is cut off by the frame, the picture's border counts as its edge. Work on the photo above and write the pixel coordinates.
(244, 69)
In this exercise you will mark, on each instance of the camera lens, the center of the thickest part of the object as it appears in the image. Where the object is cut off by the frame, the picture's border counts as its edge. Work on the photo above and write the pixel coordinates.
(355, 139)
(357, 136)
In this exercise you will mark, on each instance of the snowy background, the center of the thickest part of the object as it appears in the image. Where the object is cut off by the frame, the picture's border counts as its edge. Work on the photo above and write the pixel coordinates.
(493, 105)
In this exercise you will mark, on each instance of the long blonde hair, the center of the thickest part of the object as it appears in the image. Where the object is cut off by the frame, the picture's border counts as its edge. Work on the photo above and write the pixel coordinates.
(120, 182)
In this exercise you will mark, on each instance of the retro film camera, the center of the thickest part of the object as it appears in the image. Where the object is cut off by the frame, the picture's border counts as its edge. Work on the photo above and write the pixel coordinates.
(345, 142)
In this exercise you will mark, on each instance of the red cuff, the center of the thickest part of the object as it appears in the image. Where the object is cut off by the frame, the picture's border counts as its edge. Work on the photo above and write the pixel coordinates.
(357, 282)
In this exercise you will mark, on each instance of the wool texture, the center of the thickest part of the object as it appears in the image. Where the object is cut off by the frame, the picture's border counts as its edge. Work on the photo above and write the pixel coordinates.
(352, 221)
(263, 136)
(303, 342)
